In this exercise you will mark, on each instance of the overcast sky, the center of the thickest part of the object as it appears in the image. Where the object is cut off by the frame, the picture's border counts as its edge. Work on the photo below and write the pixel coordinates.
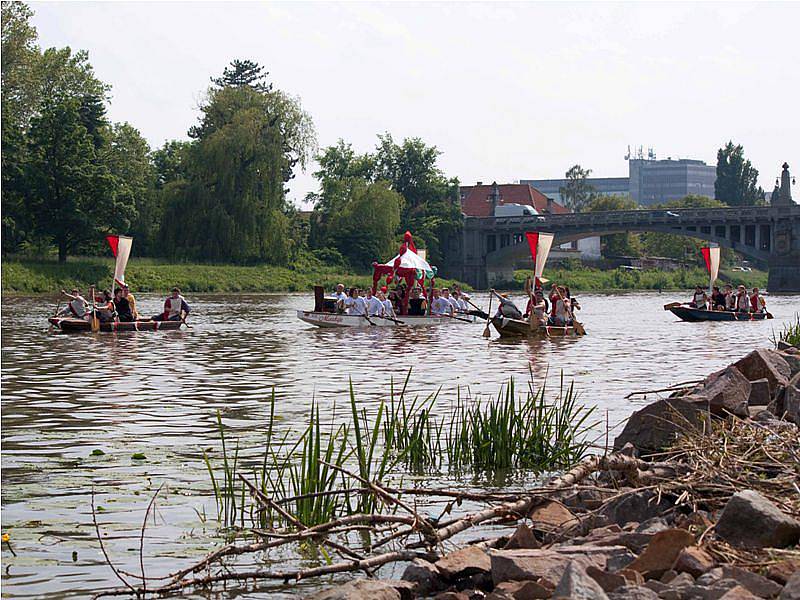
(505, 91)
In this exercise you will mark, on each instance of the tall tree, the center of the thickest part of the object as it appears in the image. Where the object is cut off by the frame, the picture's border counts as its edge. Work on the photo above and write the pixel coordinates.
(578, 192)
(737, 179)
(241, 73)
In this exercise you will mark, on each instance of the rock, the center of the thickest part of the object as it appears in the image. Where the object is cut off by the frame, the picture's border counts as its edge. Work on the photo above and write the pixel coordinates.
(613, 535)
(424, 576)
(361, 589)
(608, 581)
(520, 590)
(759, 393)
(791, 400)
(738, 593)
(681, 580)
(749, 520)
(696, 522)
(656, 586)
(639, 506)
(710, 577)
(657, 425)
(792, 357)
(522, 538)
(668, 576)
(550, 516)
(633, 577)
(753, 582)
(693, 560)
(550, 563)
(727, 392)
(464, 561)
(661, 552)
(782, 571)
(791, 591)
(785, 346)
(575, 584)
(633, 592)
(763, 363)
(652, 526)
(453, 596)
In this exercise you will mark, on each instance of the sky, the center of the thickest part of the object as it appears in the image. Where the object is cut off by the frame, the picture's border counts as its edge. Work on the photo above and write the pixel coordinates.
(506, 91)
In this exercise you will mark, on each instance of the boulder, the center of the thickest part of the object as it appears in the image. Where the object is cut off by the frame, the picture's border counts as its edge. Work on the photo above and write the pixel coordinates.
(633, 592)
(693, 560)
(791, 591)
(738, 593)
(661, 552)
(469, 560)
(749, 520)
(727, 392)
(608, 581)
(792, 357)
(640, 506)
(759, 393)
(522, 538)
(782, 571)
(424, 576)
(520, 590)
(762, 363)
(753, 582)
(361, 589)
(575, 584)
(549, 564)
(550, 516)
(791, 400)
(657, 425)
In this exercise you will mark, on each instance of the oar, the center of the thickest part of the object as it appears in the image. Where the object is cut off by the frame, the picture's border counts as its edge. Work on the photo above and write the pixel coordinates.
(95, 320)
(366, 315)
(456, 318)
(183, 320)
(391, 319)
(478, 312)
(486, 332)
(575, 323)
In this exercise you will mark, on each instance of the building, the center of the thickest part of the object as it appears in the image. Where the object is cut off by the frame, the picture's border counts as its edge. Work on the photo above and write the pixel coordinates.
(650, 181)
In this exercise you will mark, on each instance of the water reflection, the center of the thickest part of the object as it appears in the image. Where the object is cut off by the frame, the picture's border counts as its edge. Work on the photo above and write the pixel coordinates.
(158, 393)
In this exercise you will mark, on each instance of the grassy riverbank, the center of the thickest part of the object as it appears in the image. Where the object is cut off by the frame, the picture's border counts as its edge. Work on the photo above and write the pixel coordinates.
(586, 279)
(143, 275)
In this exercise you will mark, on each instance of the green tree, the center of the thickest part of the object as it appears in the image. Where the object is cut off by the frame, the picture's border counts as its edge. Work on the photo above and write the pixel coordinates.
(170, 162)
(244, 73)
(618, 244)
(737, 179)
(578, 193)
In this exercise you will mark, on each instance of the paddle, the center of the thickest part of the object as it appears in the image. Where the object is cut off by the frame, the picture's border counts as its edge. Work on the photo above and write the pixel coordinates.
(95, 320)
(391, 319)
(477, 312)
(575, 323)
(456, 318)
(486, 332)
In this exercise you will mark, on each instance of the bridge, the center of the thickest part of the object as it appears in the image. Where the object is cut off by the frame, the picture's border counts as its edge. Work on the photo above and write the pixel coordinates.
(488, 248)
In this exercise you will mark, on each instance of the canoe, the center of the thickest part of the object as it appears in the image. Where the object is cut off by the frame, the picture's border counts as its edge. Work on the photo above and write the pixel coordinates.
(329, 320)
(516, 328)
(71, 325)
(694, 315)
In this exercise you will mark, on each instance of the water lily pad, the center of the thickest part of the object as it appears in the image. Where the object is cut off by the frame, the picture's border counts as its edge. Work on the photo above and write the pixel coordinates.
(138, 456)
(97, 452)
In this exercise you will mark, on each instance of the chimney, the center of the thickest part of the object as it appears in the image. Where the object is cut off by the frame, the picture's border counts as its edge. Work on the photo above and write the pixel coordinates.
(495, 196)
(549, 205)
(480, 183)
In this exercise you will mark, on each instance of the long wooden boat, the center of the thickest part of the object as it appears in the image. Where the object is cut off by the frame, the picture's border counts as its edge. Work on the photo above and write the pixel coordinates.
(329, 319)
(517, 328)
(694, 315)
(71, 325)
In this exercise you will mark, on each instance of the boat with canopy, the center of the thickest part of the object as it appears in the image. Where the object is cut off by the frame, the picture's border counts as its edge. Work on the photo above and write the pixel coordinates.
(408, 267)
(691, 314)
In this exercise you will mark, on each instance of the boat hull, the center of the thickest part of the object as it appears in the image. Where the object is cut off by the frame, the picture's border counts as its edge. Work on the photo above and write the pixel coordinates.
(332, 320)
(518, 328)
(79, 325)
(695, 315)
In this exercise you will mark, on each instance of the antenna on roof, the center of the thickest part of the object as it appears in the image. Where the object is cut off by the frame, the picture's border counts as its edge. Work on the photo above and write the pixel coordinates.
(628, 153)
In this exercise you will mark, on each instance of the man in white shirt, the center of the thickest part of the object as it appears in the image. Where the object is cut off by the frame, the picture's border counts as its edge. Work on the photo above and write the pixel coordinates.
(451, 299)
(374, 306)
(76, 307)
(440, 306)
(388, 309)
(340, 298)
(359, 306)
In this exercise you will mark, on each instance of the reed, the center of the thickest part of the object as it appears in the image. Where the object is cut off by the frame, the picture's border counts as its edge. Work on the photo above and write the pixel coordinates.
(790, 334)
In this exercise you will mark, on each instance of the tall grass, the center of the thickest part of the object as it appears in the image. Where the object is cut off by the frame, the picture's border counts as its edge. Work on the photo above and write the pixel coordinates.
(790, 334)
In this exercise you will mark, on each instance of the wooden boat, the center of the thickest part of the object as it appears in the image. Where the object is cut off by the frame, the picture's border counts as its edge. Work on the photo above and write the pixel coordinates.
(71, 325)
(331, 319)
(695, 315)
(518, 328)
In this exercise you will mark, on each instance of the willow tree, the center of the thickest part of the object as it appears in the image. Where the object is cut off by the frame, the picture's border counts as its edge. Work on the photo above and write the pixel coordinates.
(232, 205)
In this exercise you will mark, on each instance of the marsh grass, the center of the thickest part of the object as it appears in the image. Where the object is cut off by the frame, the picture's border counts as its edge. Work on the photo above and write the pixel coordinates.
(494, 436)
(790, 333)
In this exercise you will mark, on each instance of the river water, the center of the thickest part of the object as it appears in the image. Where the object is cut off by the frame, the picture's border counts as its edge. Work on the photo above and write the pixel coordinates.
(65, 396)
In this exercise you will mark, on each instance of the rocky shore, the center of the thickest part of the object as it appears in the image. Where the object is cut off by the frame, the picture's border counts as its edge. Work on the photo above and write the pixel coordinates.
(699, 500)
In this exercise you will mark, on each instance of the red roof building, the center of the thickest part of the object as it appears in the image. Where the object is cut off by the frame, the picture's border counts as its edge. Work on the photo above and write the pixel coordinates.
(477, 200)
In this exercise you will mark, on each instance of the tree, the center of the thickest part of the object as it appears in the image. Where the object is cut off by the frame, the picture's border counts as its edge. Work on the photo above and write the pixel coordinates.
(737, 179)
(618, 244)
(170, 162)
(578, 192)
(244, 73)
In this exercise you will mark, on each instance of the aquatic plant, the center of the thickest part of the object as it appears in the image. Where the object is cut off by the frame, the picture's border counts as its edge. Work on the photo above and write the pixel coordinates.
(790, 334)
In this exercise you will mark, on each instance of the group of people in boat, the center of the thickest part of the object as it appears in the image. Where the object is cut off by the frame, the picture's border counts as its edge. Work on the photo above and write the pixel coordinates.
(726, 299)
(121, 307)
(556, 308)
(391, 303)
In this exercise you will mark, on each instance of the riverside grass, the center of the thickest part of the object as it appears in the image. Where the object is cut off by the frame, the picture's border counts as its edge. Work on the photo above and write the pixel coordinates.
(490, 436)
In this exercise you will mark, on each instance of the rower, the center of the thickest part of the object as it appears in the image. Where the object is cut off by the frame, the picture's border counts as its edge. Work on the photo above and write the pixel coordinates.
(388, 308)
(105, 307)
(562, 310)
(126, 293)
(730, 298)
(462, 302)
(717, 299)
(122, 306)
(77, 306)
(175, 308)
(507, 307)
(742, 300)
(340, 297)
(374, 305)
(699, 298)
(439, 305)
(358, 306)
(539, 308)
(417, 305)
(454, 307)
(757, 302)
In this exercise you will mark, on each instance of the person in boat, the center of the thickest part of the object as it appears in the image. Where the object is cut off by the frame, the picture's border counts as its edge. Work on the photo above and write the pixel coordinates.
(126, 293)
(757, 302)
(340, 297)
(454, 307)
(175, 307)
(374, 305)
(717, 299)
(730, 298)
(122, 306)
(388, 307)
(742, 300)
(77, 307)
(699, 298)
(561, 315)
(104, 307)
(507, 307)
(417, 305)
(538, 308)
(440, 305)
(358, 305)
(463, 306)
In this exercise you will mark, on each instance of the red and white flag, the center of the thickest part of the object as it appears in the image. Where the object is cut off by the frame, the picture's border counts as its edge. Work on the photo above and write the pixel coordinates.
(711, 256)
(121, 247)
(539, 244)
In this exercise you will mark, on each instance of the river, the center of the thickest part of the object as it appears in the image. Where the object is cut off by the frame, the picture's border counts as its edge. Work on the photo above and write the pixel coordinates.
(65, 396)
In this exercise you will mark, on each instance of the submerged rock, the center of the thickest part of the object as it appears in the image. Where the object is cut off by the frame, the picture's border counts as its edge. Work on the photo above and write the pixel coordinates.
(750, 520)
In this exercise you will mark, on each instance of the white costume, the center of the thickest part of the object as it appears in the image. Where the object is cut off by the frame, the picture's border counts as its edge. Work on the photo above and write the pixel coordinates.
(359, 306)
(375, 306)
(441, 306)
(388, 309)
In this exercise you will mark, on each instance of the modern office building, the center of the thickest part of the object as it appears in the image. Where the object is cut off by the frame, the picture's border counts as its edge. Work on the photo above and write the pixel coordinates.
(650, 181)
